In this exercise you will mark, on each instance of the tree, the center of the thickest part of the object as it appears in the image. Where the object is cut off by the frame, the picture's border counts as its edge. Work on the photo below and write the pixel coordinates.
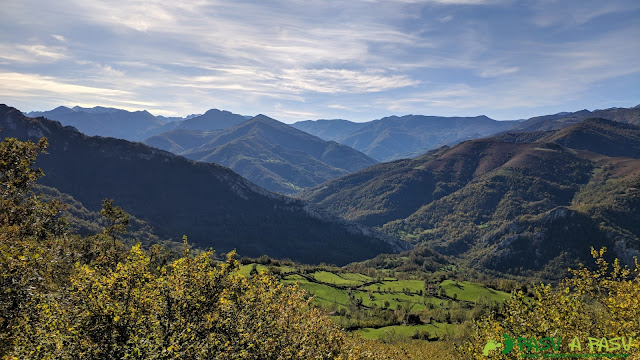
(195, 308)
(604, 303)
(30, 236)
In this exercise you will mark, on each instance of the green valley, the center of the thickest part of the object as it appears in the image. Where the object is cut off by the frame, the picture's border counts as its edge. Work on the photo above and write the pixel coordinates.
(376, 305)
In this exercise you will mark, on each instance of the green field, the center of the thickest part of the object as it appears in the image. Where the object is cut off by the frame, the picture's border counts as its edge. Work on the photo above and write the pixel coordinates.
(398, 286)
(356, 277)
(469, 291)
(406, 331)
(245, 270)
(336, 279)
(324, 295)
(353, 305)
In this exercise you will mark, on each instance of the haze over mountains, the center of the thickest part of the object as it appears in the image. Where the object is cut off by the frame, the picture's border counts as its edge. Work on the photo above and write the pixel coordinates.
(271, 154)
(137, 125)
(211, 204)
(104, 121)
(386, 139)
(394, 137)
(515, 203)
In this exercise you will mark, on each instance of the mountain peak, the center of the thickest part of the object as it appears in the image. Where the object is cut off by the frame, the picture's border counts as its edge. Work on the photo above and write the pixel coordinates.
(264, 118)
(62, 108)
(96, 109)
(270, 153)
(216, 111)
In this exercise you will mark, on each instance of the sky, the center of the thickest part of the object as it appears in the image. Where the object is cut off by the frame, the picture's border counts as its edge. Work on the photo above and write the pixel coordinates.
(305, 59)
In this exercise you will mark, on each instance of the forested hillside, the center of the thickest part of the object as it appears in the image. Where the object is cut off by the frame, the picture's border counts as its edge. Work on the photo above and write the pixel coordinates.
(499, 200)
(209, 203)
(271, 154)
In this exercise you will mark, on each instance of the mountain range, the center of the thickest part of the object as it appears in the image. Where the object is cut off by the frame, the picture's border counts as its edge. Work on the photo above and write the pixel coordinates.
(516, 203)
(271, 154)
(211, 204)
(213, 119)
(137, 125)
(530, 199)
(104, 121)
(394, 137)
(564, 119)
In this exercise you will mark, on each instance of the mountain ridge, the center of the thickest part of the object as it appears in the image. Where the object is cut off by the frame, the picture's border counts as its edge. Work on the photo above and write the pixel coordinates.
(211, 204)
(395, 137)
(272, 154)
(454, 197)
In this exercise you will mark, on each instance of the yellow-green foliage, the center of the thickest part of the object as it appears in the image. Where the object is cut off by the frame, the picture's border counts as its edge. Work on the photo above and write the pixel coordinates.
(67, 297)
(193, 309)
(604, 303)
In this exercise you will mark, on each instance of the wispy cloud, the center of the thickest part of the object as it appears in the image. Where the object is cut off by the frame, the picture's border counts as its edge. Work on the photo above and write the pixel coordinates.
(557, 13)
(36, 85)
(298, 58)
(342, 81)
(32, 53)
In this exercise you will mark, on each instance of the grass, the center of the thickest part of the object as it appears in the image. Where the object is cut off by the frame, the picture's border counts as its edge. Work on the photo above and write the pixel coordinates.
(469, 291)
(335, 279)
(398, 286)
(392, 297)
(324, 295)
(414, 303)
(245, 270)
(406, 331)
(356, 277)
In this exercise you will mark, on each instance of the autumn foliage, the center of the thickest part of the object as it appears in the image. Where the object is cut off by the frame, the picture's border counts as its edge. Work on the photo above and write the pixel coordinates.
(597, 304)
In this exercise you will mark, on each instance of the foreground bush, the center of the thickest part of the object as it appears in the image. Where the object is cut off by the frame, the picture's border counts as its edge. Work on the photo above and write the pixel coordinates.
(589, 306)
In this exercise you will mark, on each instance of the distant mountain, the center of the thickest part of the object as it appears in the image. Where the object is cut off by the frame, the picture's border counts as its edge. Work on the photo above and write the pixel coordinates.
(168, 119)
(395, 137)
(273, 155)
(135, 126)
(564, 119)
(213, 119)
(211, 204)
(544, 197)
(104, 121)
(180, 140)
(332, 130)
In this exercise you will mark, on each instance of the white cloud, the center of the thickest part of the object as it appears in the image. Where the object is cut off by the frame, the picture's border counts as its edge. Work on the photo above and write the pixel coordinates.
(495, 72)
(444, 2)
(59, 38)
(335, 81)
(35, 85)
(315, 57)
(37, 53)
(281, 113)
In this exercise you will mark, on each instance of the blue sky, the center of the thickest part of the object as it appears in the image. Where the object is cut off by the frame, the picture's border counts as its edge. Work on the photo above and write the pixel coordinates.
(306, 59)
